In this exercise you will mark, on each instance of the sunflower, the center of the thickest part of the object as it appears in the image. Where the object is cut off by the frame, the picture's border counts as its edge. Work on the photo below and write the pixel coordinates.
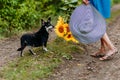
(68, 36)
(60, 30)
(60, 21)
(74, 40)
(66, 26)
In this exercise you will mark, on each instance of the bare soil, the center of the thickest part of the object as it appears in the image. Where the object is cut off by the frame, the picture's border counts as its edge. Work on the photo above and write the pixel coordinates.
(8, 51)
(82, 66)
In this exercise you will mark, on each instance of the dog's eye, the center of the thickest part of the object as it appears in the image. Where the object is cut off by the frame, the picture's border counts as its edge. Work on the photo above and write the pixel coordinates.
(48, 24)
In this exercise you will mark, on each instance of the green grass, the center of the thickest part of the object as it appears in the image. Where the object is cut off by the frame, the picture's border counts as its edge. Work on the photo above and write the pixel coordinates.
(42, 65)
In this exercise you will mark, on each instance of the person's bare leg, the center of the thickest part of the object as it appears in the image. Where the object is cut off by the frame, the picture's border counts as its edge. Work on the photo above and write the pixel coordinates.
(102, 49)
(112, 49)
(100, 52)
(108, 43)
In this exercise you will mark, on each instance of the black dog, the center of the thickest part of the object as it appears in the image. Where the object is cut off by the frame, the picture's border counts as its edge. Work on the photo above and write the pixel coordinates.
(37, 39)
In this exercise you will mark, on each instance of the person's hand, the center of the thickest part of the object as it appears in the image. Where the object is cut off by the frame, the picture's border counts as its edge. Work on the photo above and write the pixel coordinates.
(86, 2)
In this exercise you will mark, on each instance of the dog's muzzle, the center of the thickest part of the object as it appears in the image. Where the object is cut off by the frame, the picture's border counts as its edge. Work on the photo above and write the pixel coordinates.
(50, 28)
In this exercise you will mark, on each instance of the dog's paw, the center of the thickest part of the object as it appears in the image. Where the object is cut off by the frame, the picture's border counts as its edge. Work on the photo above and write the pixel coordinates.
(21, 55)
(34, 54)
(45, 49)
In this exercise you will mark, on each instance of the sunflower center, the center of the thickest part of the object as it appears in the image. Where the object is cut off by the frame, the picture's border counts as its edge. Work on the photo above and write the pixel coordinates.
(69, 36)
(61, 29)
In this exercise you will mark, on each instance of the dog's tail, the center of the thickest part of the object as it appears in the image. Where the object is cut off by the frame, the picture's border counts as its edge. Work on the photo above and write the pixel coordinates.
(20, 49)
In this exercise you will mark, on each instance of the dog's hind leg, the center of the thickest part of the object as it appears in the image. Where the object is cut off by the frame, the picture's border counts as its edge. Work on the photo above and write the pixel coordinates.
(31, 51)
(21, 49)
(21, 54)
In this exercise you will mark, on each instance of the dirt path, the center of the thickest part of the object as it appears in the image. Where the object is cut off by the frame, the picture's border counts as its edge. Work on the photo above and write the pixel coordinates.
(8, 51)
(82, 67)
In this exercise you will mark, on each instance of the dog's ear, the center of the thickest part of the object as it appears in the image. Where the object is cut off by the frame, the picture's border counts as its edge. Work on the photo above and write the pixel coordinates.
(42, 22)
(49, 19)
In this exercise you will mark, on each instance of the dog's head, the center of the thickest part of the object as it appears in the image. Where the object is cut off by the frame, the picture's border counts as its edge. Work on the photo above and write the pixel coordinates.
(47, 24)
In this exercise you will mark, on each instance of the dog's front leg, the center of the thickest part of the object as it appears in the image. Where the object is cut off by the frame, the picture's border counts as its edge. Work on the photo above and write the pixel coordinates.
(44, 48)
(31, 51)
